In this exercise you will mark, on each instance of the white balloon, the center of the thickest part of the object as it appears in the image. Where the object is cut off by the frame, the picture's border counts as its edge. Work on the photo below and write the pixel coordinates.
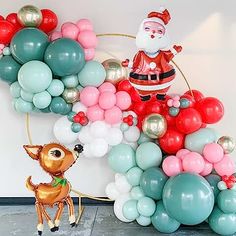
(86, 151)
(77, 107)
(122, 185)
(98, 147)
(132, 134)
(62, 131)
(114, 136)
(117, 176)
(111, 191)
(98, 129)
(84, 135)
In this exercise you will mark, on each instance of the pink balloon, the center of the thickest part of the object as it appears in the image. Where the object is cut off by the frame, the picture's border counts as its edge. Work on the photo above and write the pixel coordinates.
(107, 100)
(193, 162)
(107, 87)
(55, 35)
(213, 152)
(89, 54)
(89, 96)
(113, 115)
(207, 168)
(84, 24)
(69, 30)
(95, 113)
(123, 100)
(181, 153)
(172, 166)
(225, 167)
(87, 39)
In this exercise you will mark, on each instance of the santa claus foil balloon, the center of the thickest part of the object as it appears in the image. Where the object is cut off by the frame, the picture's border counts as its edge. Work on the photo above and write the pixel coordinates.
(151, 72)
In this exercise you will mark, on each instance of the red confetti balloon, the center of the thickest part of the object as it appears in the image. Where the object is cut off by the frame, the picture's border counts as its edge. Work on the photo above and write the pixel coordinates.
(124, 85)
(12, 18)
(49, 21)
(7, 31)
(196, 94)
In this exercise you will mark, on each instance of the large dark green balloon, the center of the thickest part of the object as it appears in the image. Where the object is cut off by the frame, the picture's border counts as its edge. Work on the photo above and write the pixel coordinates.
(29, 44)
(9, 69)
(58, 105)
(213, 180)
(162, 221)
(152, 182)
(226, 201)
(188, 198)
(65, 57)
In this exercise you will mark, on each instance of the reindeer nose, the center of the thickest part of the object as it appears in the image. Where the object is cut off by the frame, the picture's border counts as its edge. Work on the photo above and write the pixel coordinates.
(78, 148)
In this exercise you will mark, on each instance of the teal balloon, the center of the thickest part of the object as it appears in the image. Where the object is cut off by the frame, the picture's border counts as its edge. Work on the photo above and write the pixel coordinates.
(67, 109)
(56, 88)
(70, 81)
(152, 182)
(184, 103)
(8, 69)
(121, 158)
(58, 105)
(222, 185)
(143, 220)
(76, 127)
(226, 201)
(29, 44)
(221, 223)
(213, 180)
(35, 76)
(70, 116)
(80, 88)
(136, 193)
(65, 57)
(148, 154)
(27, 96)
(45, 110)
(134, 175)
(130, 210)
(42, 100)
(93, 74)
(196, 141)
(173, 111)
(146, 206)
(15, 89)
(162, 221)
(188, 198)
(124, 127)
(6, 51)
(143, 138)
(23, 106)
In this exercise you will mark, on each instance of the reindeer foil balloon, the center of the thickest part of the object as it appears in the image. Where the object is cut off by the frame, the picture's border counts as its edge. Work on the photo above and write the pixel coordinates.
(55, 159)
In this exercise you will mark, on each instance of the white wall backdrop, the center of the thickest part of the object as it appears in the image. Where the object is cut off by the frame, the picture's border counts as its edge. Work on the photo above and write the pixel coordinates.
(205, 28)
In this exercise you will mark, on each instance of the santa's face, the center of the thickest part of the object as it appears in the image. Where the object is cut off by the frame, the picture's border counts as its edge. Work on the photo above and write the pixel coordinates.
(152, 37)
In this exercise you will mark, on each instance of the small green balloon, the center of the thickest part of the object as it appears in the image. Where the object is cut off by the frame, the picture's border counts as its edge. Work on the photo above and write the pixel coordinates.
(146, 206)
(8, 69)
(133, 175)
(173, 111)
(130, 211)
(45, 110)
(70, 81)
(6, 51)
(184, 103)
(70, 116)
(42, 100)
(58, 105)
(162, 221)
(27, 96)
(222, 185)
(136, 193)
(56, 88)
(124, 127)
(143, 138)
(23, 106)
(67, 109)
(15, 89)
(226, 201)
(213, 180)
(143, 220)
(76, 127)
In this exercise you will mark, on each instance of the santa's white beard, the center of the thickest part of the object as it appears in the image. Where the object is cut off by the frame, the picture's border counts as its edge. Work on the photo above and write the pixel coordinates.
(152, 45)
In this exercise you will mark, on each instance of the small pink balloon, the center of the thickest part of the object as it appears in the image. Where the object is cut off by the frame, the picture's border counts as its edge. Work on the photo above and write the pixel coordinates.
(107, 87)
(123, 100)
(84, 24)
(70, 30)
(172, 166)
(55, 35)
(207, 168)
(95, 113)
(113, 115)
(213, 152)
(193, 162)
(181, 153)
(107, 100)
(87, 39)
(89, 96)
(225, 167)
(89, 54)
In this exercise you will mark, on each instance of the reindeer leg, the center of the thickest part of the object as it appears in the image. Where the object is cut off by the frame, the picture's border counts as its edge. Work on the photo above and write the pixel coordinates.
(58, 215)
(50, 223)
(40, 218)
(71, 209)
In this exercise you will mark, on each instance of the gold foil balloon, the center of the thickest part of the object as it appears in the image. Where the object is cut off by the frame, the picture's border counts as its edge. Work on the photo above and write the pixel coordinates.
(227, 143)
(29, 16)
(71, 95)
(154, 125)
(114, 71)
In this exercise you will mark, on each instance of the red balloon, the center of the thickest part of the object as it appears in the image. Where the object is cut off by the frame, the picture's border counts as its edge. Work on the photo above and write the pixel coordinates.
(188, 121)
(172, 141)
(7, 31)
(153, 107)
(169, 119)
(211, 110)
(1, 17)
(139, 108)
(49, 21)
(190, 98)
(134, 95)
(124, 85)
(12, 18)
(140, 121)
(196, 94)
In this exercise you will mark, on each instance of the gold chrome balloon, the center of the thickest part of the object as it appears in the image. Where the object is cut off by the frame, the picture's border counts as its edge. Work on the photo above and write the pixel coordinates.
(29, 16)
(154, 125)
(114, 71)
(227, 143)
(71, 95)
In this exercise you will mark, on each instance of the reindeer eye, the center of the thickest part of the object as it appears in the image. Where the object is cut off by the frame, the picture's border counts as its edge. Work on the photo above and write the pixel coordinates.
(56, 153)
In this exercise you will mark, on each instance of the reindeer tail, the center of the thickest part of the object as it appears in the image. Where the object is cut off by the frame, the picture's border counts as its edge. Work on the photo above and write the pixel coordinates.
(30, 185)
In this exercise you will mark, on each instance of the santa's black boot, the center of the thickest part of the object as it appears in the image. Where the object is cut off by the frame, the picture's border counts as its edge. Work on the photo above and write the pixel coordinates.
(145, 98)
(161, 97)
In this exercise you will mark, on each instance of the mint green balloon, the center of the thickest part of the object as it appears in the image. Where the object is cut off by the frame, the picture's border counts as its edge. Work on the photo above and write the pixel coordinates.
(213, 180)
(136, 193)
(143, 138)
(70, 81)
(148, 154)
(80, 88)
(133, 175)
(121, 158)
(143, 220)
(221, 223)
(146, 206)
(152, 182)
(6, 51)
(188, 198)
(93, 74)
(58, 105)
(124, 127)
(130, 210)
(15, 89)
(42, 100)
(76, 127)
(23, 106)
(226, 201)
(162, 221)
(35, 76)
(29, 44)
(70, 116)
(56, 88)
(27, 96)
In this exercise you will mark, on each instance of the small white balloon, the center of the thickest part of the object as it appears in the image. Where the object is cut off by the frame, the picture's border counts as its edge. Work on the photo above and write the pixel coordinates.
(114, 136)
(132, 134)
(117, 176)
(98, 129)
(111, 191)
(86, 151)
(84, 135)
(77, 107)
(123, 185)
(98, 147)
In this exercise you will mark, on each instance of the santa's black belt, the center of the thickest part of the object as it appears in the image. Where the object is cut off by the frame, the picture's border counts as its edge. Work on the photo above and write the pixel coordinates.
(152, 77)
